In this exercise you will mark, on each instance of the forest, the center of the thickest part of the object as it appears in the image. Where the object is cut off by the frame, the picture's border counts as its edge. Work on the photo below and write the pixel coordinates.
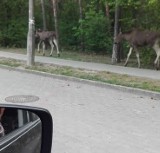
(83, 25)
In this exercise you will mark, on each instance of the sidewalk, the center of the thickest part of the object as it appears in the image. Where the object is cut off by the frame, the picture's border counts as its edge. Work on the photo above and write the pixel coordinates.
(153, 74)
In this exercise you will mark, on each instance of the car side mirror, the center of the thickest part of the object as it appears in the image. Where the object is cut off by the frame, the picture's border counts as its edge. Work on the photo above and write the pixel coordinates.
(25, 129)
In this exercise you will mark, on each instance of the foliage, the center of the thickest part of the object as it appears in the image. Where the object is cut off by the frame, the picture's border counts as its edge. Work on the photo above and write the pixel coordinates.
(13, 23)
(95, 30)
(148, 56)
(13, 37)
(68, 18)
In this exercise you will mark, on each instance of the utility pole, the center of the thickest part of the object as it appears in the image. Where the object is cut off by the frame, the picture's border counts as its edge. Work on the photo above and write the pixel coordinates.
(31, 36)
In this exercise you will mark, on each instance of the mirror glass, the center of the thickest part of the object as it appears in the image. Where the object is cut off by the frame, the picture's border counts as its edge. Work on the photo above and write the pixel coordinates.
(20, 131)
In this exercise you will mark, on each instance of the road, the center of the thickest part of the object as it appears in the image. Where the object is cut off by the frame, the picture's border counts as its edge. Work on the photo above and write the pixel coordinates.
(90, 119)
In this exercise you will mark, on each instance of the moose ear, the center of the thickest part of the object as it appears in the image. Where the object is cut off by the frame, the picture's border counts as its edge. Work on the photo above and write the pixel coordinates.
(39, 30)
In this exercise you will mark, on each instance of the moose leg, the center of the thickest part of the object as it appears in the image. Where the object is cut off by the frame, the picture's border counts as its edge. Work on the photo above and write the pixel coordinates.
(52, 46)
(137, 55)
(156, 62)
(130, 52)
(56, 44)
(44, 47)
(38, 46)
(157, 50)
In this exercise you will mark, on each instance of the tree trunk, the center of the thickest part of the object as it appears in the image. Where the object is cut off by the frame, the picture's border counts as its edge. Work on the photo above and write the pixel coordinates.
(107, 10)
(116, 31)
(80, 9)
(43, 15)
(81, 26)
(31, 37)
(55, 20)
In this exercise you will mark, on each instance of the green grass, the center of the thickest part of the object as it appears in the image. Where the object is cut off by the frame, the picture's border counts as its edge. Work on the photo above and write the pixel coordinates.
(10, 62)
(106, 77)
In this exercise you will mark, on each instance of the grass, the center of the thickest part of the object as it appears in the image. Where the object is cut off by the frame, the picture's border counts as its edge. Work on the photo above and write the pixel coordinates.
(101, 76)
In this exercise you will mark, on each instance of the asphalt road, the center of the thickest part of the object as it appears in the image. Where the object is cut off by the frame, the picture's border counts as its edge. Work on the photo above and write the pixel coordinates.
(90, 119)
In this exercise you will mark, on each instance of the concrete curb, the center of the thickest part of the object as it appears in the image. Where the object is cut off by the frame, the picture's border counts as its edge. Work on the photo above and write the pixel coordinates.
(141, 92)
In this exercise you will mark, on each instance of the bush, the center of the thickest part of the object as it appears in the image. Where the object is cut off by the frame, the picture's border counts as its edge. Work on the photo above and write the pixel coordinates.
(67, 19)
(95, 31)
(148, 56)
(15, 34)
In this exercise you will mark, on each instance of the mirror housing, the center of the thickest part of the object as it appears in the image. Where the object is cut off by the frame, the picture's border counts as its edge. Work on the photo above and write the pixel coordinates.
(46, 120)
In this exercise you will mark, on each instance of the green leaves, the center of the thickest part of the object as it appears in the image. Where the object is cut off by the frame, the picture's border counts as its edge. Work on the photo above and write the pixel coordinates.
(151, 2)
(13, 23)
(94, 29)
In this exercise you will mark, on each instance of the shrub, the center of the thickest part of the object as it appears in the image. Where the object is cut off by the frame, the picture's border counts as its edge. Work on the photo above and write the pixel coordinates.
(95, 31)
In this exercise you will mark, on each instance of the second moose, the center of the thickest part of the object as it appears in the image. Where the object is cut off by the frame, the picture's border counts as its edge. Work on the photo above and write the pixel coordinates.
(140, 38)
(47, 36)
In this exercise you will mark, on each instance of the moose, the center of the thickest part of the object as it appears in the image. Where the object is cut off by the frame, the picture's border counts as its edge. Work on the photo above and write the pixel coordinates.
(44, 37)
(140, 38)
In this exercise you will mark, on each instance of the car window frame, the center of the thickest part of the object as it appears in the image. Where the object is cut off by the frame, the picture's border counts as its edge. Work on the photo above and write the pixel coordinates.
(18, 133)
(47, 124)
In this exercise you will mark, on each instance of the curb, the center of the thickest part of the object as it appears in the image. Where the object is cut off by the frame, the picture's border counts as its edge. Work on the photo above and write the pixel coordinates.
(141, 92)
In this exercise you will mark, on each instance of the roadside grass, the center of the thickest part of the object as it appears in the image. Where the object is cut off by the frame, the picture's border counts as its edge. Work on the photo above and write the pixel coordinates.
(10, 62)
(101, 76)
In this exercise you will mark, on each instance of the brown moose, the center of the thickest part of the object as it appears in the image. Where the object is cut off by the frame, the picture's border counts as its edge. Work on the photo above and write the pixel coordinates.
(47, 36)
(140, 38)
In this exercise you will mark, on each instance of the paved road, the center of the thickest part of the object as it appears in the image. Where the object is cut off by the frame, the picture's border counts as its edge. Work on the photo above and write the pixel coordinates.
(91, 66)
(90, 119)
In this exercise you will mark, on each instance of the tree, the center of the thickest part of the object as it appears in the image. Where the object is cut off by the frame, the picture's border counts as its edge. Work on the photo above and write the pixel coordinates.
(95, 31)
(43, 15)
(55, 20)
(81, 26)
(31, 37)
(116, 30)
